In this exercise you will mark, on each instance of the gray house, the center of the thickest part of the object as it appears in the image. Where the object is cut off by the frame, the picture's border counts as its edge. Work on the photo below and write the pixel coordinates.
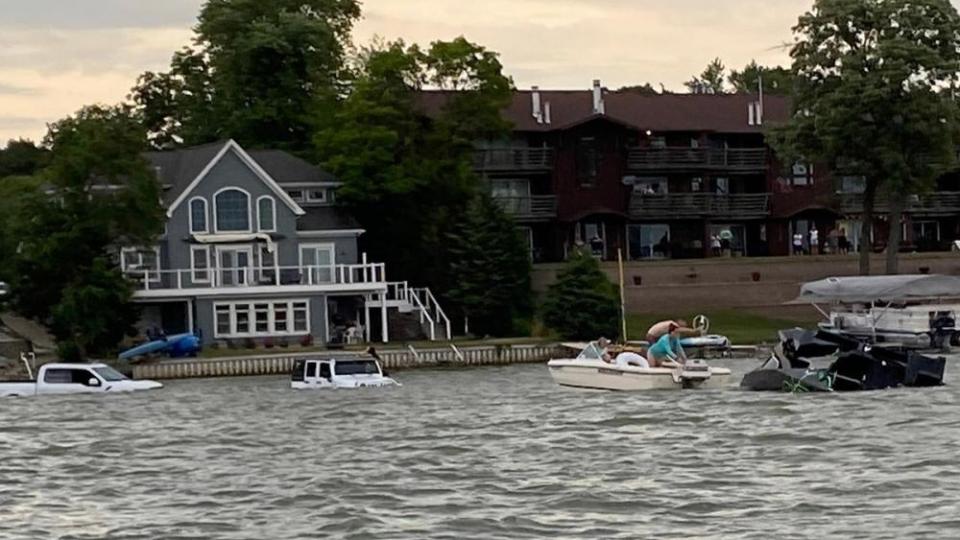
(255, 249)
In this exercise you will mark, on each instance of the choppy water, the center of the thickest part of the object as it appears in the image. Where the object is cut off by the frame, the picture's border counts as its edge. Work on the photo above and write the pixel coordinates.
(482, 453)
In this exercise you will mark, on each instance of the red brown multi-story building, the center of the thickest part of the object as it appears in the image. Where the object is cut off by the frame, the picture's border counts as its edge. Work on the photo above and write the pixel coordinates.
(670, 175)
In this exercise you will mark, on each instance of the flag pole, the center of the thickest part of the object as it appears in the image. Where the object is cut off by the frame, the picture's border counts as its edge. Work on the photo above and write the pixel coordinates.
(623, 303)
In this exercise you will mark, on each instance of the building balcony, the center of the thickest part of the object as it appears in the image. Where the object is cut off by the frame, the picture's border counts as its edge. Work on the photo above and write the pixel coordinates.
(938, 203)
(529, 208)
(686, 158)
(674, 206)
(516, 159)
(149, 284)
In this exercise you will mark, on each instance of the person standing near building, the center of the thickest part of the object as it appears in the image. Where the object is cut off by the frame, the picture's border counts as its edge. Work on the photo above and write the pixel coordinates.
(814, 240)
(843, 245)
(798, 243)
(715, 245)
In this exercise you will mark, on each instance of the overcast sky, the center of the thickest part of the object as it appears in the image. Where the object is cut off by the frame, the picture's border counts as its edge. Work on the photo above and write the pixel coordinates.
(57, 55)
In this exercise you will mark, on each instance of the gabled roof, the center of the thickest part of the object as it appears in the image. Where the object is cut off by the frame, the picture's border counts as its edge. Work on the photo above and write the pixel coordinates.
(289, 169)
(182, 170)
(722, 113)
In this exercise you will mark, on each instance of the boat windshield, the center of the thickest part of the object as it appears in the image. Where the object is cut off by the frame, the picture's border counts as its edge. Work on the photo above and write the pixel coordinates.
(591, 352)
(109, 374)
(356, 367)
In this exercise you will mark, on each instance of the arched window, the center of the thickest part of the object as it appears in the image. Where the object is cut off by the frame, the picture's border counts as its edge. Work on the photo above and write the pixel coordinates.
(233, 210)
(198, 215)
(266, 214)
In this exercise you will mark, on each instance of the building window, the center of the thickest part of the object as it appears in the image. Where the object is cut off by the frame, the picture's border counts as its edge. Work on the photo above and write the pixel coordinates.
(318, 262)
(198, 215)
(200, 264)
(296, 194)
(801, 174)
(649, 241)
(141, 261)
(261, 319)
(587, 161)
(317, 196)
(853, 184)
(233, 211)
(266, 214)
(266, 265)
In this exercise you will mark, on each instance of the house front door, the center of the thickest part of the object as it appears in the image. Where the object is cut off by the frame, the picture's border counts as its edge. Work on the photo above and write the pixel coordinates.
(235, 265)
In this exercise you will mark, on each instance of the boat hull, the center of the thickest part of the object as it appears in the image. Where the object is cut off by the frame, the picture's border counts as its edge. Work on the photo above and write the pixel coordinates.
(600, 376)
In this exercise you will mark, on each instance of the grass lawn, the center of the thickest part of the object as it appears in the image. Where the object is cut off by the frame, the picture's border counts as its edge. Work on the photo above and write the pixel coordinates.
(742, 328)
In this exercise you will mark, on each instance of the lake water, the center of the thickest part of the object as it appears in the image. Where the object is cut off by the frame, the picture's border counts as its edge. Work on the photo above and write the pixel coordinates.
(479, 453)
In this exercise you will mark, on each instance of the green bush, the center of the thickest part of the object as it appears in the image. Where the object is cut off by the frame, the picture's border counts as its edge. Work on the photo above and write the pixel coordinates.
(583, 304)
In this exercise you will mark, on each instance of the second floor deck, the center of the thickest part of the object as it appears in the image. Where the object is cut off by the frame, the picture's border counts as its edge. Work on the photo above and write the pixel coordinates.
(937, 203)
(700, 206)
(199, 282)
(513, 159)
(529, 208)
(673, 158)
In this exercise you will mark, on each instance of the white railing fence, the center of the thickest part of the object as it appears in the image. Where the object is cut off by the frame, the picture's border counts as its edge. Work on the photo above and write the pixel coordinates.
(258, 276)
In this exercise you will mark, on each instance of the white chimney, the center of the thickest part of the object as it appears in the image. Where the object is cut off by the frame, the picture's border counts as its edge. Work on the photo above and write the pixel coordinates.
(751, 115)
(755, 113)
(546, 113)
(598, 105)
(537, 110)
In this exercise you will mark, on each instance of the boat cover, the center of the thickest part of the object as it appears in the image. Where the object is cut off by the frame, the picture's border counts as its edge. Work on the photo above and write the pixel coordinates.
(878, 288)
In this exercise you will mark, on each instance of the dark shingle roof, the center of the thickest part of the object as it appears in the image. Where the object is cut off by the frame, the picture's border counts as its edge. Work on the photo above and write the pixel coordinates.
(177, 168)
(324, 218)
(722, 113)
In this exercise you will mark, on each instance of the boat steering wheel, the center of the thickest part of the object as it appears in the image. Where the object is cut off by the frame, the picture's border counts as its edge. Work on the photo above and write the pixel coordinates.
(702, 324)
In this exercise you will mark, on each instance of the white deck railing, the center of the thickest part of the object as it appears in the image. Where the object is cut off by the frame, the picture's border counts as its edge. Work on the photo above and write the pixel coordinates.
(373, 274)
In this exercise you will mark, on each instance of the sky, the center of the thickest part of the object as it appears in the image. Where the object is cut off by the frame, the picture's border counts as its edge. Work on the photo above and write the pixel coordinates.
(58, 55)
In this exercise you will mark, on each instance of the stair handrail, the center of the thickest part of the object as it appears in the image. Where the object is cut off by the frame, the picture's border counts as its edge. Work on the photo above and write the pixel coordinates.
(439, 312)
(424, 313)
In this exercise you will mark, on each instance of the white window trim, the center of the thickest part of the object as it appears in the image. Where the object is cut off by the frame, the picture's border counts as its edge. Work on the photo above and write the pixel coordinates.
(252, 320)
(330, 246)
(319, 200)
(266, 266)
(248, 273)
(273, 213)
(216, 227)
(206, 215)
(193, 268)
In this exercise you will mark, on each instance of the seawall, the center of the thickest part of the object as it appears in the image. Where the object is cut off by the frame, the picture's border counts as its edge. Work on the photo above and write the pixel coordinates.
(759, 285)
(282, 364)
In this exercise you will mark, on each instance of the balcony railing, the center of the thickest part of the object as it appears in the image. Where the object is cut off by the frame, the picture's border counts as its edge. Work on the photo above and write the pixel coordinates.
(699, 205)
(938, 203)
(341, 276)
(513, 159)
(685, 158)
(531, 208)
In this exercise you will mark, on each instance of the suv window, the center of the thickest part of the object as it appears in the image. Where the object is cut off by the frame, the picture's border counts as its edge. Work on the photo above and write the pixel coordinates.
(298, 370)
(325, 370)
(311, 369)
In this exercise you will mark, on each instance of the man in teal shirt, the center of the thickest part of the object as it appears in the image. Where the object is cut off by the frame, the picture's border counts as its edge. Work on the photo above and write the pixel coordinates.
(667, 348)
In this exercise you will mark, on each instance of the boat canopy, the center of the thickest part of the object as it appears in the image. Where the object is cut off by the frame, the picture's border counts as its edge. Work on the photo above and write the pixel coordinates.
(878, 288)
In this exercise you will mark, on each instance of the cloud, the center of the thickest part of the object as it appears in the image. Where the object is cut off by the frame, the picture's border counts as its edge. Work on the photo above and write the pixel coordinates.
(98, 14)
(14, 90)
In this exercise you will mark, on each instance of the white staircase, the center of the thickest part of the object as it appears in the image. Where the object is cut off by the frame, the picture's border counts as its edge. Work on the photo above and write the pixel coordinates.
(419, 301)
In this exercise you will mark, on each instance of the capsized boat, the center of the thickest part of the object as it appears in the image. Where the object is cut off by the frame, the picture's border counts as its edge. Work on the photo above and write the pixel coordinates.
(853, 365)
(589, 370)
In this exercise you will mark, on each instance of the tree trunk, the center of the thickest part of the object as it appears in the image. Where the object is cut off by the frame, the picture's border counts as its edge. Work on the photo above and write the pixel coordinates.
(895, 234)
(866, 246)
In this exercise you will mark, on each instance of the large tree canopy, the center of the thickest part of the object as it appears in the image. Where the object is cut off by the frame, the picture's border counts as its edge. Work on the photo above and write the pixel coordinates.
(97, 195)
(776, 80)
(21, 158)
(257, 72)
(408, 177)
(870, 97)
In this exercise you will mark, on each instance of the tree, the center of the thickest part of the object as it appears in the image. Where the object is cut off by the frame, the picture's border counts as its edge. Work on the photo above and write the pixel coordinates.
(776, 80)
(21, 157)
(645, 89)
(258, 72)
(491, 261)
(407, 178)
(711, 81)
(582, 304)
(98, 195)
(869, 98)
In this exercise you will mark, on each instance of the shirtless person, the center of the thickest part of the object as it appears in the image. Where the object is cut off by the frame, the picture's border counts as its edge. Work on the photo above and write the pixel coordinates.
(663, 327)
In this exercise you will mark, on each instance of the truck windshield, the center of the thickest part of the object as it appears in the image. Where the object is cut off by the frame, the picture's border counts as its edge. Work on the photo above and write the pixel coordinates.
(357, 367)
(109, 374)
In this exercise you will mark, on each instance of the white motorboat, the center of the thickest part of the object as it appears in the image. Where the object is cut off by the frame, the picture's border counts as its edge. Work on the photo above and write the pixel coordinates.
(589, 370)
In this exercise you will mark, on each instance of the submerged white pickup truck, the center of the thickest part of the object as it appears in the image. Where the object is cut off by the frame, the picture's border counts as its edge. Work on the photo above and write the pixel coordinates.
(74, 379)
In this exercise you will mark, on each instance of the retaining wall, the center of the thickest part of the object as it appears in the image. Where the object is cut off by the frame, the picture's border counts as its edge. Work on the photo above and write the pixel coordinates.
(282, 364)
